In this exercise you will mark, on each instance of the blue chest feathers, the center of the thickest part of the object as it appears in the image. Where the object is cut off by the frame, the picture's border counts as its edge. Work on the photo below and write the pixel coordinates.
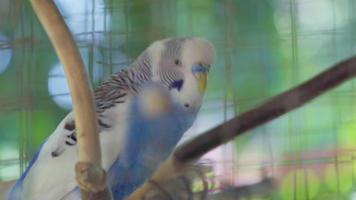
(149, 141)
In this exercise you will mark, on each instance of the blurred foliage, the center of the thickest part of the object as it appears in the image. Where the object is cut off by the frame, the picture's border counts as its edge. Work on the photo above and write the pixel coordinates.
(263, 48)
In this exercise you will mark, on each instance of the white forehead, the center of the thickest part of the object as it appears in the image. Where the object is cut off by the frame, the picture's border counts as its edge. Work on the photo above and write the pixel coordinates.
(198, 50)
(193, 49)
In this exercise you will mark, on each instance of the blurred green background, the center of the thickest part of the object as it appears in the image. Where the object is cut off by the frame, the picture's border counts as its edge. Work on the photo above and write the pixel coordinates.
(263, 47)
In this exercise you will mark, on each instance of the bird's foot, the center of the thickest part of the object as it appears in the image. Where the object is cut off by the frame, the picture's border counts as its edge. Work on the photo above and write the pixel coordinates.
(90, 177)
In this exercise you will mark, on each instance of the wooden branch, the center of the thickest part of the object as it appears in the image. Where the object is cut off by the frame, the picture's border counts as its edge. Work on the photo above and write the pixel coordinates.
(90, 175)
(266, 112)
(273, 108)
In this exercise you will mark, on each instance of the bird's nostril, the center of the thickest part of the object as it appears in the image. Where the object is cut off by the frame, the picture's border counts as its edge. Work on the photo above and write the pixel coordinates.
(186, 105)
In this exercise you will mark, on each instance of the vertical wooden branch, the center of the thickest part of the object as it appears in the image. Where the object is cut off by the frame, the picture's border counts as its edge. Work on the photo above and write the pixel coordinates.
(68, 54)
(90, 175)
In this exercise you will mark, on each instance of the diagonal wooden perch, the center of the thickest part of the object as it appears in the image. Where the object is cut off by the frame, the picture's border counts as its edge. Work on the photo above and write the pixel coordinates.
(266, 112)
(89, 173)
(273, 108)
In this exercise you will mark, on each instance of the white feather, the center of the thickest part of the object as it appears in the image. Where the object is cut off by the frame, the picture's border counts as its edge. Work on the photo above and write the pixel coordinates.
(54, 177)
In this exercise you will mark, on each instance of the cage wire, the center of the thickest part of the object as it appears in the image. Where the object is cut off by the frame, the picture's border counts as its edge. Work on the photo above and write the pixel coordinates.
(262, 47)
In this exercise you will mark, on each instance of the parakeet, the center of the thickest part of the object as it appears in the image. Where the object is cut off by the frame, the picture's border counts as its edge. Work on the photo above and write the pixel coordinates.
(134, 140)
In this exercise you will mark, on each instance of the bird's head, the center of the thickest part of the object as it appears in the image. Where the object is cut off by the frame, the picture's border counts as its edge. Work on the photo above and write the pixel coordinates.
(182, 65)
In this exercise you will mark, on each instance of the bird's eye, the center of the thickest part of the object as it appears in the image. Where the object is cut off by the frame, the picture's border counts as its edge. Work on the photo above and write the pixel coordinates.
(177, 62)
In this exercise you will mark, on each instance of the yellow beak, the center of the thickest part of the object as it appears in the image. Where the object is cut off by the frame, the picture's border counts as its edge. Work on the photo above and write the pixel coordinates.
(202, 78)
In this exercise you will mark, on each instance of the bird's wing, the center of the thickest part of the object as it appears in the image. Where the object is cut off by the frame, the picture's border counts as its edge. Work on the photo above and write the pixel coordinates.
(52, 175)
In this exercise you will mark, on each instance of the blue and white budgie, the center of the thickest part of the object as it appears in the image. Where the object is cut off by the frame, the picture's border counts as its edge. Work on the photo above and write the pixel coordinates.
(133, 142)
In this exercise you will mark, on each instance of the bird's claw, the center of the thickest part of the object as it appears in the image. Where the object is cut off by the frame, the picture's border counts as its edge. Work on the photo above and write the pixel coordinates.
(90, 177)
